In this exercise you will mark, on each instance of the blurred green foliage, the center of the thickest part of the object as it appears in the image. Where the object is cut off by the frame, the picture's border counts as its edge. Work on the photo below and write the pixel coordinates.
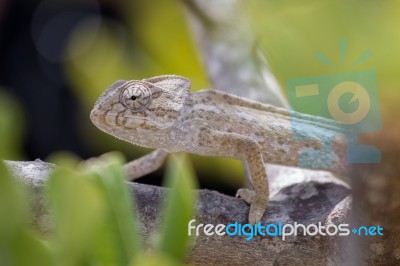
(93, 219)
(92, 214)
(292, 32)
(180, 203)
(158, 42)
(18, 245)
(156, 39)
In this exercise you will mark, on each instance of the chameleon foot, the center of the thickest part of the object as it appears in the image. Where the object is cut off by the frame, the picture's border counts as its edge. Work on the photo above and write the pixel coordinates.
(245, 194)
(257, 204)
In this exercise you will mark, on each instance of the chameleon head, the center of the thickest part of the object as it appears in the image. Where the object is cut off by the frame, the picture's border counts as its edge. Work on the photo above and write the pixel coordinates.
(130, 110)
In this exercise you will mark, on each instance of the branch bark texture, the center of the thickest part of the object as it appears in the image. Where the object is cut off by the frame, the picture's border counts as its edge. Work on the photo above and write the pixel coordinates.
(300, 196)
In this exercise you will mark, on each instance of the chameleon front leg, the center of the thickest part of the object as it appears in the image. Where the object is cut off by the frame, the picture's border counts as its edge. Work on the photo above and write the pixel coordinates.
(146, 164)
(244, 148)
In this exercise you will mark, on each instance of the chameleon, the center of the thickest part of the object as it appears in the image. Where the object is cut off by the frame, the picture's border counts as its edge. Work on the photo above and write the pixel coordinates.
(161, 113)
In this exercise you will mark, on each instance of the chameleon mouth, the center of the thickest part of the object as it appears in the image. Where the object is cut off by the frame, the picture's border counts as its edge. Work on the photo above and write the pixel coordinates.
(96, 116)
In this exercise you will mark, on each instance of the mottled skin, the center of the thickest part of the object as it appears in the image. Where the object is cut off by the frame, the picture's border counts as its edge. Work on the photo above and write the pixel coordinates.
(160, 113)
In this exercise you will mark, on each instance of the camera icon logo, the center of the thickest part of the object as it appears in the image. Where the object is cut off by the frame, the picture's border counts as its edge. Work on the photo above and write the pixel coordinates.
(350, 98)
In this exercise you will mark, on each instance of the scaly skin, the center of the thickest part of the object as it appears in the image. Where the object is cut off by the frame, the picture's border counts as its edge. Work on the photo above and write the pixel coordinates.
(160, 113)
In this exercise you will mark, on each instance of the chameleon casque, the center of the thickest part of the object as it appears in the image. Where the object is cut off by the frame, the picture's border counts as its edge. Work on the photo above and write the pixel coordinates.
(162, 114)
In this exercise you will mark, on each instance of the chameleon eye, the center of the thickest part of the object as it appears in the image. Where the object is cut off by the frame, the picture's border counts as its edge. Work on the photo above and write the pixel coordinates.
(136, 96)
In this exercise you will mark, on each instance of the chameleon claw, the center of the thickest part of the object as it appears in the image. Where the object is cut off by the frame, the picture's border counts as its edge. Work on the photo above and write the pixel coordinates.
(246, 194)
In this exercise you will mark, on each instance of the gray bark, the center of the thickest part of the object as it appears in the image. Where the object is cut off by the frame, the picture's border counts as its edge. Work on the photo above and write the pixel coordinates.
(232, 58)
(301, 196)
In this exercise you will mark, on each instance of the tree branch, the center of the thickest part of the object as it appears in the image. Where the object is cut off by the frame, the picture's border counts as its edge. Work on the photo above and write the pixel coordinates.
(301, 196)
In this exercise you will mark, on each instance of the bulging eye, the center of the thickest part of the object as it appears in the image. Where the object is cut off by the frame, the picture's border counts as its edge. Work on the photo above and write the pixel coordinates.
(136, 96)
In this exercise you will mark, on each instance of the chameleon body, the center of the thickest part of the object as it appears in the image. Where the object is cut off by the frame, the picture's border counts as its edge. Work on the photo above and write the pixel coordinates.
(162, 114)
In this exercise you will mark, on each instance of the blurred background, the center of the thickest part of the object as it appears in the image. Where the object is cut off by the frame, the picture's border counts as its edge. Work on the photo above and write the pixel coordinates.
(58, 56)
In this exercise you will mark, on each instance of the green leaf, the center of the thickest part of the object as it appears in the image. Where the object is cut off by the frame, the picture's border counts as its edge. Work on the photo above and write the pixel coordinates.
(154, 259)
(27, 249)
(12, 208)
(120, 238)
(18, 246)
(11, 127)
(77, 209)
(173, 238)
